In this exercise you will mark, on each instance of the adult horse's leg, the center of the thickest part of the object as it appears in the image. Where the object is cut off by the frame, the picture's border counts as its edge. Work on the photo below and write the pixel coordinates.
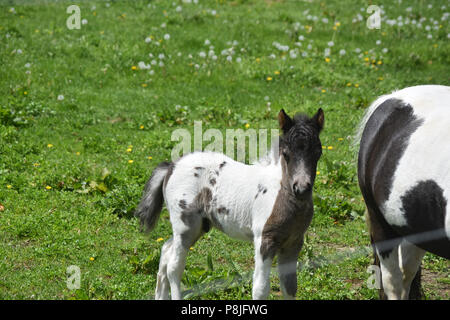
(261, 275)
(287, 270)
(162, 283)
(410, 259)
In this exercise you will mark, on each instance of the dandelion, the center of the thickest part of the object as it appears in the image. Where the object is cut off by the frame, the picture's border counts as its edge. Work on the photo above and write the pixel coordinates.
(379, 62)
(25, 93)
(141, 127)
(323, 90)
(366, 59)
(340, 139)
(330, 147)
(258, 60)
(356, 85)
(149, 157)
(77, 153)
(36, 164)
(130, 161)
(134, 68)
(349, 84)
(269, 78)
(317, 172)
(144, 85)
(129, 149)
(327, 59)
(9, 186)
(49, 145)
(91, 258)
(159, 239)
(277, 72)
(247, 125)
(48, 187)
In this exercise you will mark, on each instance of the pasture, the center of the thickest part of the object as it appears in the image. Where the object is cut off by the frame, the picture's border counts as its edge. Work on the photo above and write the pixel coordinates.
(86, 114)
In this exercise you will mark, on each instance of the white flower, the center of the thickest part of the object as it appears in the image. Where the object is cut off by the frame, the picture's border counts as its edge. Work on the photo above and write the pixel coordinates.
(385, 50)
(324, 20)
(60, 97)
(163, 25)
(309, 47)
(213, 12)
(84, 21)
(19, 51)
(272, 56)
(429, 36)
(166, 36)
(211, 53)
(27, 65)
(161, 56)
(144, 66)
(214, 57)
(229, 58)
(330, 43)
(266, 98)
(378, 42)
(178, 9)
(161, 64)
(207, 42)
(202, 54)
(238, 60)
(301, 38)
(327, 52)
(153, 62)
(151, 72)
(304, 54)
(342, 52)
(148, 40)
(357, 50)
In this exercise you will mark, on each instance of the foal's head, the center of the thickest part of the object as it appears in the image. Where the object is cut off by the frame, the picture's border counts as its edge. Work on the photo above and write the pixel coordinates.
(300, 149)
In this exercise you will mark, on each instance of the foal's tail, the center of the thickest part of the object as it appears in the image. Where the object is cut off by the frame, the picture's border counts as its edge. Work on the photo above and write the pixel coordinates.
(152, 200)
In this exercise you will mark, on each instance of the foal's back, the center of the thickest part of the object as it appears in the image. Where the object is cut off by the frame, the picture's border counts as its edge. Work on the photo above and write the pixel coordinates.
(230, 195)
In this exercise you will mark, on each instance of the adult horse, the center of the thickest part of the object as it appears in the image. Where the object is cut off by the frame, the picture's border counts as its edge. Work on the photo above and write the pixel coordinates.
(404, 176)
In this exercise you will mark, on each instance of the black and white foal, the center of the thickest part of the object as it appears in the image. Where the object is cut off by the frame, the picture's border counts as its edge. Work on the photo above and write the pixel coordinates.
(269, 203)
(404, 175)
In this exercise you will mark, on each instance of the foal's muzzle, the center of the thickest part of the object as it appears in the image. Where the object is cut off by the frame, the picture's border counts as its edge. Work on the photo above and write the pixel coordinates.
(302, 191)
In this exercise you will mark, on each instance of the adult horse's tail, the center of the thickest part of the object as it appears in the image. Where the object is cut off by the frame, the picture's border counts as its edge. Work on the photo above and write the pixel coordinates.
(152, 200)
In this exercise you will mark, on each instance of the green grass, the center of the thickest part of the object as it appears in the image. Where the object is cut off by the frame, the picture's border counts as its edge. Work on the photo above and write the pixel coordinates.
(68, 189)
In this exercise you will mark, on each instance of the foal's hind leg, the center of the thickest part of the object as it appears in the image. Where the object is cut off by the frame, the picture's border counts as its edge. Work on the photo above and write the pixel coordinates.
(162, 283)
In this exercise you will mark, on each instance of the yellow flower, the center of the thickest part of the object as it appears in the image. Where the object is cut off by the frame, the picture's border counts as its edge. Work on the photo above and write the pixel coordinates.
(144, 85)
(317, 172)
(91, 258)
(366, 59)
(330, 147)
(77, 153)
(191, 248)
(36, 164)
(159, 239)
(247, 125)
(269, 78)
(338, 24)
(323, 90)
(25, 92)
(49, 145)
(356, 85)
(141, 127)
(379, 62)
(258, 60)
(133, 68)
(9, 186)
(130, 161)
(327, 59)
(349, 84)
(129, 150)
(149, 157)
(340, 139)
(277, 72)
(48, 187)
(380, 78)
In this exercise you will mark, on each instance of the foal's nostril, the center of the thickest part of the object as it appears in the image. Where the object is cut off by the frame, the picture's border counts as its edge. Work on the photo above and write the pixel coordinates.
(295, 189)
(301, 191)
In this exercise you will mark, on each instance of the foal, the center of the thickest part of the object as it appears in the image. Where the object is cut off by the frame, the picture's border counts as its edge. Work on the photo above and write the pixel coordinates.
(269, 203)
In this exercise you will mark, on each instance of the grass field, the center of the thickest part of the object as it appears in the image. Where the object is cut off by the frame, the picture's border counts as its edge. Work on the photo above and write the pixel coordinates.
(85, 115)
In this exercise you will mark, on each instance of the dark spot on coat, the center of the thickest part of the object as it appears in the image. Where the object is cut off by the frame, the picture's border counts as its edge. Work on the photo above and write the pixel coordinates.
(182, 204)
(260, 189)
(199, 168)
(223, 210)
(212, 181)
(425, 206)
(222, 165)
(196, 175)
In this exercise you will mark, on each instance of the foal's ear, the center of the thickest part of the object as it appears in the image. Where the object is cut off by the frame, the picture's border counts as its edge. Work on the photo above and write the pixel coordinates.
(285, 122)
(319, 119)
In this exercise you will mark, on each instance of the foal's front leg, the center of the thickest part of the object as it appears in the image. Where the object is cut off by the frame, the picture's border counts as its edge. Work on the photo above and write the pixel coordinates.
(261, 275)
(287, 270)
